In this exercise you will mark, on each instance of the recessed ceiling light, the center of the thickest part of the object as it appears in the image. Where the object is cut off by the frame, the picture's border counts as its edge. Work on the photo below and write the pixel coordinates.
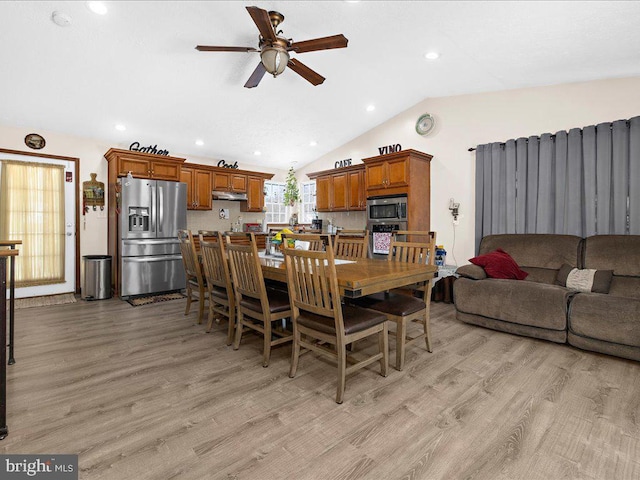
(120, 127)
(313, 143)
(257, 152)
(199, 142)
(61, 19)
(97, 7)
(371, 108)
(432, 55)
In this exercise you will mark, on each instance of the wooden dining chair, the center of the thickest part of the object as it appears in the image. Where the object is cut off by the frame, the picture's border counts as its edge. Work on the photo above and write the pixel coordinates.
(218, 276)
(401, 307)
(320, 319)
(351, 244)
(257, 307)
(196, 287)
(315, 241)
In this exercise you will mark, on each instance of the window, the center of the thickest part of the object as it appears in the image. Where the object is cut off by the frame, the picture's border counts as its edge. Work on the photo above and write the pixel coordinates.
(274, 203)
(308, 204)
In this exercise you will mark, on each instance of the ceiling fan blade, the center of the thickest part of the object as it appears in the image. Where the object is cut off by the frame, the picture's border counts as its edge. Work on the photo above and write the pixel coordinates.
(209, 48)
(324, 43)
(256, 76)
(305, 72)
(262, 21)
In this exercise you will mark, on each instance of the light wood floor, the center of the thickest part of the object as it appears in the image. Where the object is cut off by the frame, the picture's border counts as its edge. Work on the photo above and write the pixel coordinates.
(144, 392)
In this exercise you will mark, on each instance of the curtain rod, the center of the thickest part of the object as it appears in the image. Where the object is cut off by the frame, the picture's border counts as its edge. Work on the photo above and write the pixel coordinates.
(553, 135)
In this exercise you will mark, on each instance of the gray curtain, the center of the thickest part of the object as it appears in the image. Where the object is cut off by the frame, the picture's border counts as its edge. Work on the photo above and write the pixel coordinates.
(582, 182)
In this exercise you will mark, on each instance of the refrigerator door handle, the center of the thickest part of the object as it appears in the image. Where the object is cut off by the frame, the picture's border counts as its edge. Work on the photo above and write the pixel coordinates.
(153, 209)
(160, 208)
(161, 258)
(151, 241)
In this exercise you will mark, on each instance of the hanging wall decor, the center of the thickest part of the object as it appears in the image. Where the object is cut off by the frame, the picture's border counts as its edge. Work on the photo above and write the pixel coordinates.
(93, 194)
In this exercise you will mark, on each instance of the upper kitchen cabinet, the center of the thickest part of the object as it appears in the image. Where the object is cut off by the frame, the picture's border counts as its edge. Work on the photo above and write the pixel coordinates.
(230, 182)
(255, 195)
(340, 190)
(398, 173)
(143, 165)
(199, 183)
(357, 190)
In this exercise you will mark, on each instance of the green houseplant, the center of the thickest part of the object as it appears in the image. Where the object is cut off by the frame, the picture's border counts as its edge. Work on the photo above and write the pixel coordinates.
(291, 191)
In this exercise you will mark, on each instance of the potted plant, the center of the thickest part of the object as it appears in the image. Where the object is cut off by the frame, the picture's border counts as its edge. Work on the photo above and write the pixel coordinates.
(291, 191)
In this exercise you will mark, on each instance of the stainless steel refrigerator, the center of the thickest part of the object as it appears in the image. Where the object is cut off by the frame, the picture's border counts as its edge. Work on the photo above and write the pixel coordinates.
(151, 213)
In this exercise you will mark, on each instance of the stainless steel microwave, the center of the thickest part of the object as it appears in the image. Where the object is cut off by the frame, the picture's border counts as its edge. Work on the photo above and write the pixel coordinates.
(387, 208)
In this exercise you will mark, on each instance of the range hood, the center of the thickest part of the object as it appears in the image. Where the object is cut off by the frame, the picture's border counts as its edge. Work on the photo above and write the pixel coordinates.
(234, 196)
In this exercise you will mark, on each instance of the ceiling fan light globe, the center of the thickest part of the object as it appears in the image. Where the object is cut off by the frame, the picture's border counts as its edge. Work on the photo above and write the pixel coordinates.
(274, 60)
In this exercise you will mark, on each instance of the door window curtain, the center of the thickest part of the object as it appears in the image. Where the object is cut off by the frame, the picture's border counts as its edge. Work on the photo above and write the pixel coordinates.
(32, 210)
(582, 182)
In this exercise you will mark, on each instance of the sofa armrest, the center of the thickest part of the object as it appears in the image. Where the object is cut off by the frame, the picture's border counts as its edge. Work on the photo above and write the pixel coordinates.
(474, 272)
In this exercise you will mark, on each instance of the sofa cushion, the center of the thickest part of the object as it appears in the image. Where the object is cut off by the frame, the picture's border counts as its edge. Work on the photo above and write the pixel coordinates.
(620, 253)
(499, 264)
(607, 318)
(541, 275)
(525, 303)
(625, 287)
(584, 280)
(537, 250)
(476, 272)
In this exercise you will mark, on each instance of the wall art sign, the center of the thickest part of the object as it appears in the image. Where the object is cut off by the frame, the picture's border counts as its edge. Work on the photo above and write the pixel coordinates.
(342, 163)
(224, 164)
(35, 141)
(135, 147)
(390, 149)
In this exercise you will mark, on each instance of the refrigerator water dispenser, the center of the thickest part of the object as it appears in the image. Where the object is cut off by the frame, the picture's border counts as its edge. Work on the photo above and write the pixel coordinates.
(139, 219)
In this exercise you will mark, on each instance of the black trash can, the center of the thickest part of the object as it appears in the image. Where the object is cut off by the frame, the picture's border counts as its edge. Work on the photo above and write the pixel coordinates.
(97, 277)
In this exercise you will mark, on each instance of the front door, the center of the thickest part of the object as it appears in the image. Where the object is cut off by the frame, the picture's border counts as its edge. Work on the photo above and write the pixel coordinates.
(68, 285)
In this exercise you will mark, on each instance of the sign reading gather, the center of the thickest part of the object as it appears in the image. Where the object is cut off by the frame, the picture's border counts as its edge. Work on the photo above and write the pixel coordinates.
(135, 146)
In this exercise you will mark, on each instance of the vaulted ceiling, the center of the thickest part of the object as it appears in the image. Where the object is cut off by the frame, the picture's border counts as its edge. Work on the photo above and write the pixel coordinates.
(137, 66)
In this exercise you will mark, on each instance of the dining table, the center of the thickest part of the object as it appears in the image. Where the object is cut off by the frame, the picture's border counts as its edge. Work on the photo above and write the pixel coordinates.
(360, 277)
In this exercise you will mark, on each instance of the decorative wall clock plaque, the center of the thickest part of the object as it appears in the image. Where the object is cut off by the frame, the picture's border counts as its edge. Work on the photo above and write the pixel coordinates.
(35, 141)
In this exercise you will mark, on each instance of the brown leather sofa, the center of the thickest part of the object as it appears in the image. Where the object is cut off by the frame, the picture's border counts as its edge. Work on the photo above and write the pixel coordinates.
(538, 307)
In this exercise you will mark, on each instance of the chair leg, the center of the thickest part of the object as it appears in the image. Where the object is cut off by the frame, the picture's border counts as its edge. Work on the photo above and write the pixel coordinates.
(427, 332)
(239, 327)
(295, 353)
(342, 371)
(266, 353)
(186, 311)
(210, 322)
(201, 306)
(232, 324)
(383, 343)
(401, 335)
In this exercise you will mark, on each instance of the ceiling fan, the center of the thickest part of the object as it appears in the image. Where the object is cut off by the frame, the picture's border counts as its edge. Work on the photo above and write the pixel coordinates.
(274, 49)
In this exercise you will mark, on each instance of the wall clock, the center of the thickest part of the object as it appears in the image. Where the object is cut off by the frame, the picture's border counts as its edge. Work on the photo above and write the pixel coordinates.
(35, 141)
(425, 124)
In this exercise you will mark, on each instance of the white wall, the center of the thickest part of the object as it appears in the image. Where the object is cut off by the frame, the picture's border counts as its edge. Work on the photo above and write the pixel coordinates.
(93, 235)
(468, 120)
(463, 121)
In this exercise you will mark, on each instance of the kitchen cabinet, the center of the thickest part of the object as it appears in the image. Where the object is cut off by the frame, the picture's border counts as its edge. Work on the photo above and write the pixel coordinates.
(397, 173)
(199, 183)
(387, 174)
(340, 190)
(255, 195)
(357, 191)
(403, 173)
(144, 165)
(230, 182)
